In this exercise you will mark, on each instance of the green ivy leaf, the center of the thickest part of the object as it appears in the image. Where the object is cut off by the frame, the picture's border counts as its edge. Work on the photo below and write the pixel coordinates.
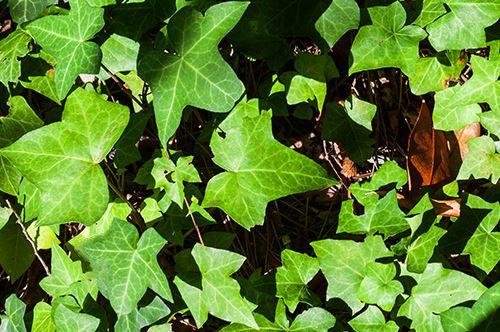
(383, 217)
(482, 161)
(15, 45)
(421, 249)
(343, 263)
(458, 106)
(304, 89)
(483, 316)
(314, 319)
(463, 24)
(396, 44)
(67, 320)
(21, 119)
(259, 168)
(196, 65)
(292, 278)
(14, 241)
(372, 320)
(437, 290)
(13, 320)
(483, 245)
(147, 315)
(435, 72)
(65, 37)
(378, 286)
(351, 127)
(67, 278)
(125, 266)
(62, 159)
(491, 121)
(42, 318)
(26, 10)
(126, 152)
(119, 53)
(340, 17)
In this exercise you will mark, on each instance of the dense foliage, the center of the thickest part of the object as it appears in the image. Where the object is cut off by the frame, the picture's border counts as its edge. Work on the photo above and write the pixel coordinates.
(284, 165)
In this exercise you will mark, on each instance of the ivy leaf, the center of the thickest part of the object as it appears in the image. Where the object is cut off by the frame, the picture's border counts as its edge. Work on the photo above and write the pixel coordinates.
(62, 159)
(437, 290)
(15, 45)
(259, 168)
(67, 320)
(119, 53)
(42, 318)
(195, 65)
(21, 119)
(26, 10)
(372, 320)
(126, 152)
(292, 278)
(435, 72)
(313, 319)
(463, 25)
(384, 217)
(378, 286)
(147, 315)
(304, 89)
(458, 106)
(351, 127)
(343, 263)
(125, 266)
(482, 161)
(67, 278)
(491, 121)
(397, 45)
(340, 17)
(421, 249)
(65, 37)
(13, 320)
(13, 240)
(483, 316)
(484, 243)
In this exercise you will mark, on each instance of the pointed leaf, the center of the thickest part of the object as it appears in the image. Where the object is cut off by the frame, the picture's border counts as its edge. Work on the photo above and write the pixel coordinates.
(65, 37)
(397, 45)
(314, 319)
(195, 65)
(62, 159)
(372, 320)
(259, 168)
(42, 318)
(340, 17)
(27, 10)
(67, 320)
(482, 161)
(125, 266)
(16, 254)
(378, 286)
(15, 45)
(13, 320)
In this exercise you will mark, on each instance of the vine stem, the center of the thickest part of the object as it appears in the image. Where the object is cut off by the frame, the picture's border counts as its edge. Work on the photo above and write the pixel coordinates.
(28, 238)
(194, 222)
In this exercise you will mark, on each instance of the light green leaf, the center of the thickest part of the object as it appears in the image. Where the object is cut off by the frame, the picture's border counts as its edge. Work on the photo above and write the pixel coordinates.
(482, 161)
(343, 263)
(65, 37)
(396, 44)
(42, 318)
(125, 266)
(44, 84)
(258, 168)
(67, 278)
(15, 45)
(464, 23)
(13, 320)
(16, 254)
(147, 315)
(196, 66)
(484, 315)
(5, 214)
(378, 286)
(119, 53)
(347, 126)
(62, 159)
(314, 319)
(431, 10)
(27, 10)
(67, 320)
(21, 119)
(372, 320)
(421, 249)
(458, 106)
(437, 290)
(383, 217)
(491, 121)
(434, 73)
(340, 17)
(305, 89)
(292, 278)
(484, 243)
(220, 292)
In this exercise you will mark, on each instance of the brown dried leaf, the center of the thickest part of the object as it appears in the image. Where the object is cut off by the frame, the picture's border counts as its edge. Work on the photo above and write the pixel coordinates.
(447, 208)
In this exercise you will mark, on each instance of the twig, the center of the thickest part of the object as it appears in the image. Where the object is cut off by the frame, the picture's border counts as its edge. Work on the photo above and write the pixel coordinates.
(28, 238)
(194, 221)
(122, 86)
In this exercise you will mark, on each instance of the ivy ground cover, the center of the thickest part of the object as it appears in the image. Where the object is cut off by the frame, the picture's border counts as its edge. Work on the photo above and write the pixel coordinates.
(274, 165)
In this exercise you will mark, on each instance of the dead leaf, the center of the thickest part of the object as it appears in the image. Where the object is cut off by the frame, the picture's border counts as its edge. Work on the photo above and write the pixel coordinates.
(447, 208)
(428, 155)
(464, 135)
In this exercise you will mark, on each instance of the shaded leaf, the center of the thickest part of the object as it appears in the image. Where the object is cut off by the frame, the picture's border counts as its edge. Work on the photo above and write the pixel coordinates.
(16, 254)
(340, 17)
(26, 10)
(15, 45)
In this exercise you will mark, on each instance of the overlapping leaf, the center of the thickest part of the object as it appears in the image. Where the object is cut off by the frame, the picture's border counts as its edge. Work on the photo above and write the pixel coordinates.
(482, 161)
(396, 44)
(15, 45)
(196, 66)
(65, 37)
(378, 286)
(27, 10)
(340, 17)
(258, 168)
(67, 320)
(372, 320)
(62, 159)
